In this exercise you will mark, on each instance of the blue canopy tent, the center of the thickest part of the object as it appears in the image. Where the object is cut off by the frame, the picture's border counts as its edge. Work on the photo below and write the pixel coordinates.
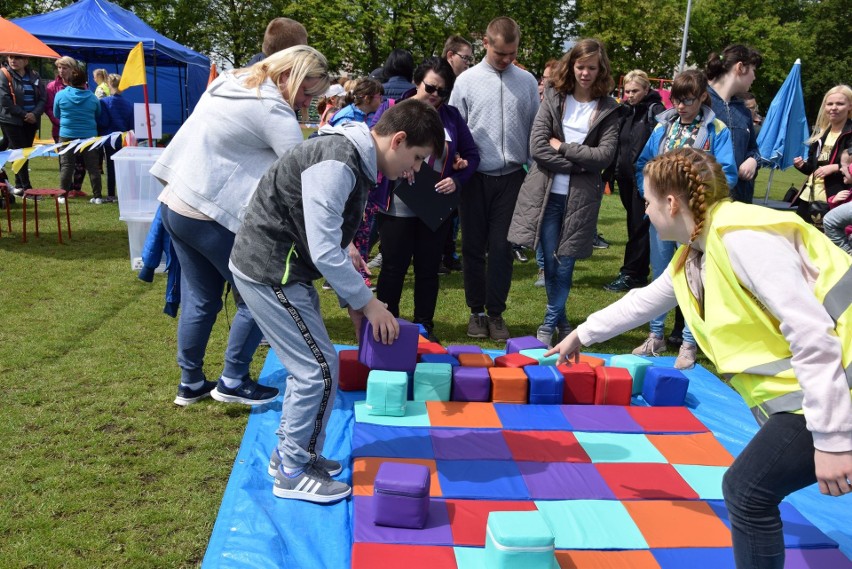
(102, 34)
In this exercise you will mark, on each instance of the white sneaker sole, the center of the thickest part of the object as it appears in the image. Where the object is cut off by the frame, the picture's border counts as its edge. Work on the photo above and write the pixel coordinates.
(304, 496)
(184, 401)
(225, 398)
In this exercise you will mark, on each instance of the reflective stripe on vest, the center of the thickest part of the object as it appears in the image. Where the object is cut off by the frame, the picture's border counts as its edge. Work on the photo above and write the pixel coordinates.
(737, 333)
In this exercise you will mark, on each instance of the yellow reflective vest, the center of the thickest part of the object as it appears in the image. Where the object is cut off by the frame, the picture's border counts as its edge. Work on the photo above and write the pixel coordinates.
(739, 335)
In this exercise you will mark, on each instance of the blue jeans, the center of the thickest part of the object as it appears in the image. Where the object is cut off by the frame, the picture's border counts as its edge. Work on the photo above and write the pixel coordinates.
(778, 461)
(558, 270)
(203, 248)
(661, 255)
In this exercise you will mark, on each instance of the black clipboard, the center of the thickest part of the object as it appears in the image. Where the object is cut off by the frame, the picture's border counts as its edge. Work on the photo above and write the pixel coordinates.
(431, 207)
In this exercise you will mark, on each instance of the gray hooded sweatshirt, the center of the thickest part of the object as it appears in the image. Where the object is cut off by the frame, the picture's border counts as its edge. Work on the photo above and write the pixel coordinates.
(306, 211)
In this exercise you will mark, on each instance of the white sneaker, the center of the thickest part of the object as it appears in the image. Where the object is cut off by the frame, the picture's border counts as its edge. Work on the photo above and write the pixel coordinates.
(62, 199)
(375, 262)
(17, 191)
(653, 346)
(96, 201)
(686, 356)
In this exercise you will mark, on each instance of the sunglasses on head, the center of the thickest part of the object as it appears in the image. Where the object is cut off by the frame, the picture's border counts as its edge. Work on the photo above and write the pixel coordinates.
(430, 89)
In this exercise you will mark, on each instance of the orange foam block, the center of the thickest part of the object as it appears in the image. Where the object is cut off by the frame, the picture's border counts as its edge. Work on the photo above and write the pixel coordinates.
(475, 360)
(509, 385)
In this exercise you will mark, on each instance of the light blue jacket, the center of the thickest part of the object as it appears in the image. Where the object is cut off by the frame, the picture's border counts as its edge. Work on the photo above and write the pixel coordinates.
(713, 137)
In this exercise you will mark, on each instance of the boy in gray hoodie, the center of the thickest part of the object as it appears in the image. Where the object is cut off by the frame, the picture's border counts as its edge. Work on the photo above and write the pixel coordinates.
(299, 227)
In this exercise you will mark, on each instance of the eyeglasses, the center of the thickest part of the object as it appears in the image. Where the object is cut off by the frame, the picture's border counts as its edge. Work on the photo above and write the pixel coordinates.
(430, 89)
(686, 102)
(466, 58)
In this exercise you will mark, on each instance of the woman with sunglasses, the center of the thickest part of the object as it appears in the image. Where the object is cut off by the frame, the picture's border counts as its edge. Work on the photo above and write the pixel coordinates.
(405, 236)
(691, 123)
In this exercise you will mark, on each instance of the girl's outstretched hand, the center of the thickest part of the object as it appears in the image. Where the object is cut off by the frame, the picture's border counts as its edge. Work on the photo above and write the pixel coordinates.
(567, 348)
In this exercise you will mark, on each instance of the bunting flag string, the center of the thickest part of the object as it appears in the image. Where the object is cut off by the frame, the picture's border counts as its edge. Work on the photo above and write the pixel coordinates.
(19, 156)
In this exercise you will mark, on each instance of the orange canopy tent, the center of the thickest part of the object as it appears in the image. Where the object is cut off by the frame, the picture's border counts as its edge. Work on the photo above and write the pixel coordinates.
(14, 39)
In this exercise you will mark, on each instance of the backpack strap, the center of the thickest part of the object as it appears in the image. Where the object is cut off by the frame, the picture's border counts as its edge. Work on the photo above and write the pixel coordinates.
(11, 84)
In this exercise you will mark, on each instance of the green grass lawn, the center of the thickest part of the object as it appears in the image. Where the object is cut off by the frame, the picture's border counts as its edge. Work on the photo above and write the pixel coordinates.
(98, 467)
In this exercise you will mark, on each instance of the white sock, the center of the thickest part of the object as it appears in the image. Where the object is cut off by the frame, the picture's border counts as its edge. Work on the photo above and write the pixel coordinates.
(230, 383)
(292, 472)
(193, 386)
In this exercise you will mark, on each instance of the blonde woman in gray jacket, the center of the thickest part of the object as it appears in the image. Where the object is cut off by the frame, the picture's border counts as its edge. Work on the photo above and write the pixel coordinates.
(573, 139)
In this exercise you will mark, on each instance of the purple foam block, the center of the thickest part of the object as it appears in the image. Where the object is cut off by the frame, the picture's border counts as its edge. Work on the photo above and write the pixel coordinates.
(399, 356)
(523, 343)
(471, 384)
(457, 349)
(401, 493)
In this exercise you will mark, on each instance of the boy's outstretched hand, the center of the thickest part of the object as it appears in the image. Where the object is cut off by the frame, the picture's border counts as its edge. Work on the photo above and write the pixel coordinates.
(567, 348)
(385, 325)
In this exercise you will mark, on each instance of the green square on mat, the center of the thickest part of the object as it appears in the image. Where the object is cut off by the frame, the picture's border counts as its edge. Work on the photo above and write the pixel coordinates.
(415, 416)
(705, 480)
(591, 524)
(618, 447)
(474, 558)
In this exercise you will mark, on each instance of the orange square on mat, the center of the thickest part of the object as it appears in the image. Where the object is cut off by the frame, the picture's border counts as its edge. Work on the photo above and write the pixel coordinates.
(472, 415)
(582, 559)
(371, 555)
(545, 446)
(667, 523)
(364, 472)
(702, 449)
(468, 518)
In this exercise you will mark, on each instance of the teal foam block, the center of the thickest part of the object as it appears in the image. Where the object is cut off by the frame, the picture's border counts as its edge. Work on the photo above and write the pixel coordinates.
(636, 365)
(518, 539)
(538, 355)
(387, 392)
(705, 480)
(618, 447)
(415, 416)
(591, 524)
(432, 381)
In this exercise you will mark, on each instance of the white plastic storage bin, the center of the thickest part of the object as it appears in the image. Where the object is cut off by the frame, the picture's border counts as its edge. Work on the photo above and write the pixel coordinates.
(137, 189)
(137, 232)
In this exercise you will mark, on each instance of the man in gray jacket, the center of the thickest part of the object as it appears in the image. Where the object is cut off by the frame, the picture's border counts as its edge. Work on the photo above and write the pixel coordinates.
(499, 101)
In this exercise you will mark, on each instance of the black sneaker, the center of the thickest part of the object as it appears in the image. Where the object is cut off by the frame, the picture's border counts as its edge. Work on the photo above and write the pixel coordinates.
(312, 485)
(443, 269)
(248, 392)
(187, 396)
(331, 466)
(624, 283)
(518, 251)
(599, 242)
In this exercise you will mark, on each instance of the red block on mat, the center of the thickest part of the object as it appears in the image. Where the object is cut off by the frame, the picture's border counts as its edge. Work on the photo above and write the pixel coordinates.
(430, 348)
(372, 555)
(508, 385)
(614, 386)
(468, 518)
(475, 360)
(514, 360)
(353, 374)
(645, 481)
(579, 384)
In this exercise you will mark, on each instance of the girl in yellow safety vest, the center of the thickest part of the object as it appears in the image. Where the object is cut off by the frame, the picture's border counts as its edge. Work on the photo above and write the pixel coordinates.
(769, 300)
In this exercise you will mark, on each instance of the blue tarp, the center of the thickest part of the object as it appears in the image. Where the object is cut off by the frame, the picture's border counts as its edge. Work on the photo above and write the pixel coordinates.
(255, 529)
(102, 34)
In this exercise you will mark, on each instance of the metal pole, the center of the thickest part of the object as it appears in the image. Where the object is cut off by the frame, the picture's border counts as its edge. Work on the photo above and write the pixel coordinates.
(685, 36)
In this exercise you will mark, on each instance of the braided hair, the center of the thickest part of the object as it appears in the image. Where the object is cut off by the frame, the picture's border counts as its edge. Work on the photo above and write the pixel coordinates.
(692, 175)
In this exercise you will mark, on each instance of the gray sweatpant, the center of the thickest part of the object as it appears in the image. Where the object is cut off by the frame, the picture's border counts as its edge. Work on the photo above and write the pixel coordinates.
(291, 322)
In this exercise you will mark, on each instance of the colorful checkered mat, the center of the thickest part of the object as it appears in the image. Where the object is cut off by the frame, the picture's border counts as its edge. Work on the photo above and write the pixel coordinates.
(620, 486)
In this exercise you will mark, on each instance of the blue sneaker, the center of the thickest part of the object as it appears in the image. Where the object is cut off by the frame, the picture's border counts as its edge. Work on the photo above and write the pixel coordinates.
(187, 396)
(248, 393)
(331, 466)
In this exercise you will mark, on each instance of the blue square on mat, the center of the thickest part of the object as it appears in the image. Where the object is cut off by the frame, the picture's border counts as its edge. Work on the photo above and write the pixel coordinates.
(470, 444)
(696, 557)
(483, 479)
(798, 531)
(415, 415)
(516, 417)
(591, 524)
(384, 441)
(619, 447)
(705, 480)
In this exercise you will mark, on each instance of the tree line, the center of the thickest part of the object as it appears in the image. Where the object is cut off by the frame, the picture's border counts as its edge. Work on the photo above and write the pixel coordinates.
(356, 35)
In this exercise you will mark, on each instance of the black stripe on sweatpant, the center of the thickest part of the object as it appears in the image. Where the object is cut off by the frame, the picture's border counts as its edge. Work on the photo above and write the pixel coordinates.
(318, 355)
